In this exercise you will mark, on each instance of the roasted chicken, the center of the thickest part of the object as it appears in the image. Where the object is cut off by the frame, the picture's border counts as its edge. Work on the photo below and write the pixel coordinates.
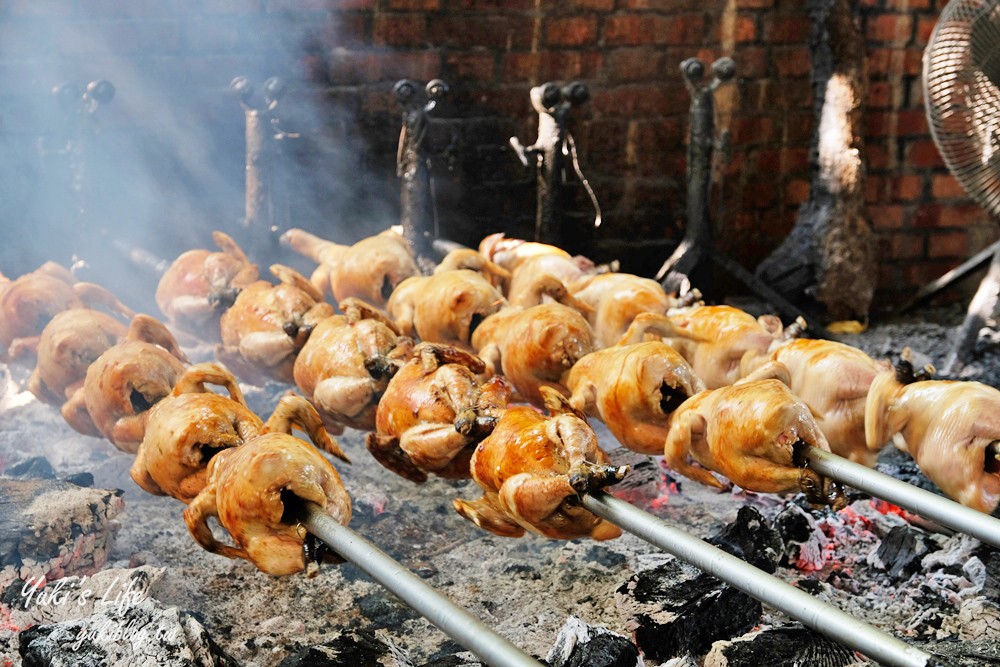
(532, 469)
(752, 433)
(445, 307)
(256, 489)
(347, 362)
(525, 278)
(189, 427)
(434, 412)
(950, 428)
(268, 324)
(30, 302)
(368, 270)
(616, 299)
(467, 258)
(124, 382)
(201, 284)
(509, 253)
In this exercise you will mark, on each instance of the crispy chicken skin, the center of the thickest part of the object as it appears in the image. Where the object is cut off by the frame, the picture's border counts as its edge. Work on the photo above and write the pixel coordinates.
(832, 379)
(749, 433)
(253, 491)
(368, 270)
(73, 340)
(347, 362)
(714, 340)
(200, 284)
(633, 389)
(124, 382)
(532, 468)
(533, 347)
(467, 258)
(268, 324)
(433, 413)
(187, 428)
(446, 307)
(950, 428)
(524, 278)
(616, 299)
(509, 253)
(30, 302)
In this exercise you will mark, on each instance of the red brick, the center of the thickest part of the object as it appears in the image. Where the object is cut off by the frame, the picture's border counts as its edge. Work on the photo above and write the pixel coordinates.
(628, 65)
(893, 28)
(906, 187)
(754, 4)
(663, 5)
(946, 186)
(638, 29)
(593, 5)
(477, 67)
(923, 153)
(925, 26)
(798, 126)
(905, 245)
(875, 189)
(561, 65)
(912, 122)
(752, 62)
(796, 191)
(793, 62)
(794, 160)
(768, 160)
(752, 130)
(745, 29)
(788, 29)
(948, 244)
(880, 95)
(496, 31)
(415, 5)
(571, 31)
(638, 100)
(400, 30)
(878, 155)
(964, 215)
(886, 217)
(928, 215)
(759, 193)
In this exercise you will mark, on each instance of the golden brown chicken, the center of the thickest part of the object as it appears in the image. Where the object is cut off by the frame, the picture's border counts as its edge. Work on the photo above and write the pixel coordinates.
(256, 489)
(368, 270)
(532, 469)
(30, 302)
(467, 258)
(124, 382)
(950, 428)
(633, 389)
(267, 325)
(509, 252)
(445, 307)
(752, 433)
(522, 290)
(189, 427)
(533, 347)
(832, 379)
(347, 362)
(715, 339)
(69, 343)
(434, 412)
(616, 299)
(201, 284)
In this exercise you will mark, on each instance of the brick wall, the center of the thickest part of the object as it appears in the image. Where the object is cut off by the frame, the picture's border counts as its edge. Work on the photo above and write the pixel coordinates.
(172, 61)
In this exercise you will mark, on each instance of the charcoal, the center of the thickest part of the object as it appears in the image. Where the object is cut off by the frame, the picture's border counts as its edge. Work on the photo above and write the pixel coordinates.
(146, 633)
(464, 659)
(991, 588)
(583, 645)
(804, 543)
(359, 648)
(674, 609)
(898, 464)
(952, 653)
(752, 539)
(787, 646)
(37, 467)
(54, 529)
(84, 479)
(899, 553)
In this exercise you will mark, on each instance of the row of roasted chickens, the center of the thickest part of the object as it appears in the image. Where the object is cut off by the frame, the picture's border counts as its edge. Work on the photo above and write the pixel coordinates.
(562, 333)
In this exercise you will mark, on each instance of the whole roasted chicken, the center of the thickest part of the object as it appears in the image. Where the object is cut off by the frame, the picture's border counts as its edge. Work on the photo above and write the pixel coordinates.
(473, 260)
(347, 362)
(267, 325)
(634, 389)
(201, 284)
(368, 270)
(434, 412)
(832, 379)
(256, 489)
(30, 302)
(715, 339)
(124, 382)
(533, 347)
(616, 299)
(752, 433)
(188, 428)
(950, 428)
(69, 343)
(510, 252)
(445, 307)
(532, 468)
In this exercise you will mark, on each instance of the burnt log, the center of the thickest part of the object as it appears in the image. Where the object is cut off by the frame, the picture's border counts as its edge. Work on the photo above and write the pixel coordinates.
(787, 646)
(583, 645)
(751, 538)
(899, 553)
(360, 648)
(804, 543)
(828, 260)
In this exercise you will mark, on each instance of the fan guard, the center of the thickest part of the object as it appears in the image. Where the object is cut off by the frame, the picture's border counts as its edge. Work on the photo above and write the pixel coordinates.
(962, 95)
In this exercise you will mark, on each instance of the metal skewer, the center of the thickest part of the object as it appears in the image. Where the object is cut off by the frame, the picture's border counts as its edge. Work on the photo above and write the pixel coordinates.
(931, 506)
(454, 621)
(798, 604)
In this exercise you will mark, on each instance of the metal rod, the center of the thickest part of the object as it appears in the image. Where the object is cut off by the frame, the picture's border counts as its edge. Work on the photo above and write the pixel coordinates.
(454, 621)
(796, 603)
(929, 505)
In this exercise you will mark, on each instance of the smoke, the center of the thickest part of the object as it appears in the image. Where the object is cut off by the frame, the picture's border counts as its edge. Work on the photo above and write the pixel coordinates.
(162, 164)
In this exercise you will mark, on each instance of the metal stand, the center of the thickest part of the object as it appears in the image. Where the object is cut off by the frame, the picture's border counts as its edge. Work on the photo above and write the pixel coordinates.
(416, 197)
(266, 201)
(796, 603)
(554, 143)
(942, 510)
(454, 621)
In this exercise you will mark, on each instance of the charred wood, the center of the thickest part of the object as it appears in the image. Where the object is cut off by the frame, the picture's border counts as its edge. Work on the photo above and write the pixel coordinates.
(583, 645)
(359, 648)
(787, 646)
